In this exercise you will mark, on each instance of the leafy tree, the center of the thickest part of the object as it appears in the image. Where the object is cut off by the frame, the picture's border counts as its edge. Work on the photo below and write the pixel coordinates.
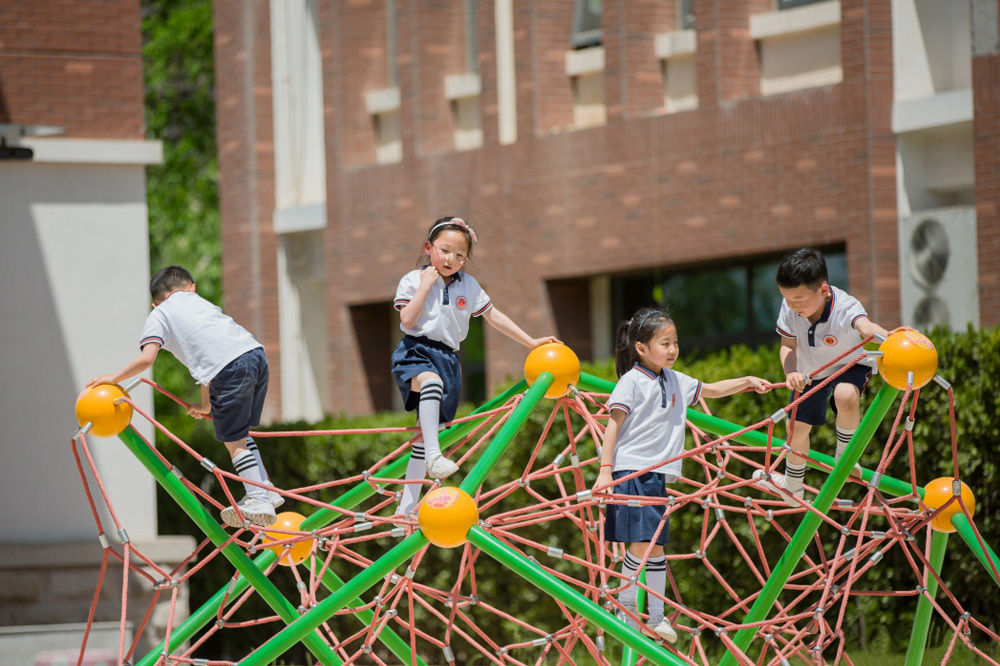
(183, 192)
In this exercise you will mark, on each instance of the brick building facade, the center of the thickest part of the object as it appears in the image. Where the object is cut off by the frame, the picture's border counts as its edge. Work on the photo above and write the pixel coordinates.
(593, 168)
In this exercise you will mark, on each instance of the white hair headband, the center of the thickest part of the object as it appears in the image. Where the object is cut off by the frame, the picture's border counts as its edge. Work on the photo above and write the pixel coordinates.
(458, 222)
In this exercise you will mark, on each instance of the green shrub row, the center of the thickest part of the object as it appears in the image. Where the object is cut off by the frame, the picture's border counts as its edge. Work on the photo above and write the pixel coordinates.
(970, 360)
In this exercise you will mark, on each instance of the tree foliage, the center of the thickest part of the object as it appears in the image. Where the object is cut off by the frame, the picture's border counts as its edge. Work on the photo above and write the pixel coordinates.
(183, 191)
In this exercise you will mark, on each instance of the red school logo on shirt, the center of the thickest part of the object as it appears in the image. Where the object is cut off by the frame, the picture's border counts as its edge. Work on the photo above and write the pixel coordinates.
(830, 340)
(460, 302)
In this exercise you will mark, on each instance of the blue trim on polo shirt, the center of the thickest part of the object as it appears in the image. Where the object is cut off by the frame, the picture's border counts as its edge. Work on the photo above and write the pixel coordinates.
(618, 405)
(854, 322)
(489, 304)
(646, 371)
(697, 394)
(153, 338)
(783, 333)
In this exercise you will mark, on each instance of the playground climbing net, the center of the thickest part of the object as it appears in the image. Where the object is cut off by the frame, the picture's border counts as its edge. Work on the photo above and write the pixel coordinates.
(802, 567)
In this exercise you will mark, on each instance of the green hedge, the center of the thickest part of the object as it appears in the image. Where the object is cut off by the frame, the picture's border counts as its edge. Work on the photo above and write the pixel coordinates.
(970, 360)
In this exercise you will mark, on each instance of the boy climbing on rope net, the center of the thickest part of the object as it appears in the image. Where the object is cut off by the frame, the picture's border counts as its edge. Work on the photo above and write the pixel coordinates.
(228, 363)
(818, 323)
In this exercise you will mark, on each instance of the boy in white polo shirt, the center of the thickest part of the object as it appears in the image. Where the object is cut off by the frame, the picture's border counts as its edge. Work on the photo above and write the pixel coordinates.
(817, 323)
(231, 367)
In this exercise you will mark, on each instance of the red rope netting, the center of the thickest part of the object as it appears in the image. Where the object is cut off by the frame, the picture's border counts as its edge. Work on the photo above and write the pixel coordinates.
(737, 516)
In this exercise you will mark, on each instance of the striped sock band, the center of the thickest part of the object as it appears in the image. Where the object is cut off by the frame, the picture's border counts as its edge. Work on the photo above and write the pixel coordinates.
(252, 448)
(794, 476)
(429, 415)
(843, 439)
(246, 466)
(630, 565)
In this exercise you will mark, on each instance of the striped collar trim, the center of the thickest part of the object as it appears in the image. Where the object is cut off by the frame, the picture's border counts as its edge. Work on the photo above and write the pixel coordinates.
(644, 370)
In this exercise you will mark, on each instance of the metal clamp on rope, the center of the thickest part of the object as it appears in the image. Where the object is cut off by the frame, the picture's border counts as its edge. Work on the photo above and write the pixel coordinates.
(574, 460)
(558, 460)
(449, 655)
(633, 502)
(473, 599)
(942, 382)
(584, 495)
(779, 416)
(908, 424)
(876, 480)
(876, 557)
(555, 552)
(361, 527)
(208, 464)
(599, 643)
(358, 515)
(177, 472)
(103, 538)
(956, 488)
(123, 535)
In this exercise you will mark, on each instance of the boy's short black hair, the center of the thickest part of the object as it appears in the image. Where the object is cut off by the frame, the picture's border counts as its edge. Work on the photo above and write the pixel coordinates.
(802, 267)
(167, 280)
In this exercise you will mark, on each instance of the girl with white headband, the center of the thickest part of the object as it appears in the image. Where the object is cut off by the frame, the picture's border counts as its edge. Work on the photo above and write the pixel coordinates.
(435, 304)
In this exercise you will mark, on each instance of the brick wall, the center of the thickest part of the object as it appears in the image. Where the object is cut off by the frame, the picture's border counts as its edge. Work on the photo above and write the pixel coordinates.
(245, 128)
(741, 176)
(74, 65)
(986, 137)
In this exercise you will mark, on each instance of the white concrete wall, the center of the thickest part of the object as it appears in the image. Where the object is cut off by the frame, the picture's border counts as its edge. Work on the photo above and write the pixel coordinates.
(74, 274)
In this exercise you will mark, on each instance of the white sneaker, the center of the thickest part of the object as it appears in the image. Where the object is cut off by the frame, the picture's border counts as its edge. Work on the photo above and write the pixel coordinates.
(257, 511)
(440, 467)
(274, 498)
(661, 626)
(627, 619)
(776, 484)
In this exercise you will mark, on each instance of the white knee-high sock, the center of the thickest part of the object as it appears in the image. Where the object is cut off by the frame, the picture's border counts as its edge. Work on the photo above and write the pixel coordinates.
(795, 474)
(843, 439)
(656, 580)
(429, 414)
(630, 566)
(416, 468)
(246, 466)
(252, 448)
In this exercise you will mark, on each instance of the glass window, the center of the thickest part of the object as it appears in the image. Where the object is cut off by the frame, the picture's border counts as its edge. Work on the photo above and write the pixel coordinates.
(586, 23)
(471, 36)
(736, 302)
(788, 4)
(686, 14)
(390, 42)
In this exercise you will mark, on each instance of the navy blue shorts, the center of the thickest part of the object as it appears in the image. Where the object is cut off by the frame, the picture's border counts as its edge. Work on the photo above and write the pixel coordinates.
(637, 524)
(812, 410)
(414, 355)
(237, 395)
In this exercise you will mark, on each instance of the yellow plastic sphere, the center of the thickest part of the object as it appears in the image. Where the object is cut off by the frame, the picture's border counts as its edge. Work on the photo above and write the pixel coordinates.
(904, 352)
(446, 515)
(298, 551)
(557, 359)
(96, 405)
(937, 493)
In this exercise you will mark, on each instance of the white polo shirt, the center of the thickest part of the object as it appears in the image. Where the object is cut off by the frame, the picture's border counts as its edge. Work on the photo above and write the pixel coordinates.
(198, 333)
(655, 416)
(448, 308)
(832, 335)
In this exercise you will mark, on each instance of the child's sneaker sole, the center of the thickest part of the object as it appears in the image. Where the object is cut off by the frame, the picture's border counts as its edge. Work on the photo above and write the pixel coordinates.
(257, 512)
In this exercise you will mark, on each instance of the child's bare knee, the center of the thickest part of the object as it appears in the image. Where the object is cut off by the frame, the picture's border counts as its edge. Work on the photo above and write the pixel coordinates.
(846, 396)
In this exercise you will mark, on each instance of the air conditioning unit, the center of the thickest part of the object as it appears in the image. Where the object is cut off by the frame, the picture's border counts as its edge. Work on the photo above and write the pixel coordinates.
(939, 268)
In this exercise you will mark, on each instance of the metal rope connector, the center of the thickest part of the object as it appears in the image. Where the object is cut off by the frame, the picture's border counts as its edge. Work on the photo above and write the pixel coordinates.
(779, 416)
(558, 460)
(208, 464)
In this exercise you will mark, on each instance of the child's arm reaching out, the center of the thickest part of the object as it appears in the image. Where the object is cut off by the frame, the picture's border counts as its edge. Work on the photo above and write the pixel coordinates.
(132, 368)
(608, 448)
(503, 323)
(866, 327)
(731, 386)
